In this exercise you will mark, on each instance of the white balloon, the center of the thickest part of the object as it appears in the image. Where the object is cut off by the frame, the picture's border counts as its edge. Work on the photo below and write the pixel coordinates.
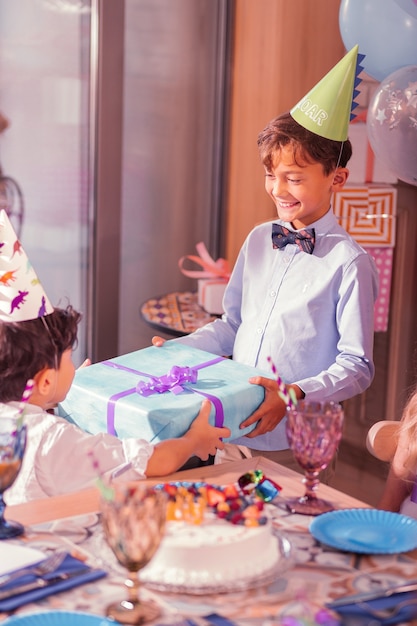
(392, 123)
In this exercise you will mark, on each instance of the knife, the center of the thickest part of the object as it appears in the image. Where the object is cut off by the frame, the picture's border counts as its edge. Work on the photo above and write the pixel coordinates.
(373, 595)
(41, 583)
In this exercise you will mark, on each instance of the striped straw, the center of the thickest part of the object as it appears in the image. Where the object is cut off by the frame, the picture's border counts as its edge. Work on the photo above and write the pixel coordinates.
(25, 399)
(289, 399)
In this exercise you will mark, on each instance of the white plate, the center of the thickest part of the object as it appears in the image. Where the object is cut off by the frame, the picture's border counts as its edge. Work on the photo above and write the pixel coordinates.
(366, 531)
(58, 618)
(14, 557)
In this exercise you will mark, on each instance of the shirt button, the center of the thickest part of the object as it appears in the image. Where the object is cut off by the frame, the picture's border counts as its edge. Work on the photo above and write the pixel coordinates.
(259, 331)
(273, 294)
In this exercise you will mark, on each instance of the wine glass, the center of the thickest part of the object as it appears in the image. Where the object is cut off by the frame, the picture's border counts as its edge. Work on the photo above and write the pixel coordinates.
(314, 430)
(12, 448)
(133, 518)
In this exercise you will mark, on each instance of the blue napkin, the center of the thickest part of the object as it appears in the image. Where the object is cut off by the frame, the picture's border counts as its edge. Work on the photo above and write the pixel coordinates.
(218, 620)
(69, 564)
(401, 608)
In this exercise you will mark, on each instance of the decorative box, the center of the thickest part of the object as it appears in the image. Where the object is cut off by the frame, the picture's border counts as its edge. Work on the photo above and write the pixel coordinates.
(156, 393)
(368, 213)
(212, 279)
(383, 258)
(210, 294)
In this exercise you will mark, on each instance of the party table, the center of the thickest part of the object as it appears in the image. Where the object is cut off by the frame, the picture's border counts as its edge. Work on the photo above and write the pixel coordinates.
(314, 575)
(177, 313)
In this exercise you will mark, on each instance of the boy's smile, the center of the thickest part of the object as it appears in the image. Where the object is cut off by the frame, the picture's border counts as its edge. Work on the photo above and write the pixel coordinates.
(301, 193)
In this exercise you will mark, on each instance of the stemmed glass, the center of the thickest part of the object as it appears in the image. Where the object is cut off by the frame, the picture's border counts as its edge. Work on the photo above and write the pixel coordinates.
(12, 448)
(314, 430)
(133, 518)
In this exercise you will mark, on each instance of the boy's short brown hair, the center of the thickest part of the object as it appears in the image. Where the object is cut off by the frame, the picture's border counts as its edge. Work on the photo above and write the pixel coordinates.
(307, 146)
(26, 348)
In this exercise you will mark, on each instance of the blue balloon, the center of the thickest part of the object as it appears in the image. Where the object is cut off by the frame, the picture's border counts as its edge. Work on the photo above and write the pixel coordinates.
(385, 30)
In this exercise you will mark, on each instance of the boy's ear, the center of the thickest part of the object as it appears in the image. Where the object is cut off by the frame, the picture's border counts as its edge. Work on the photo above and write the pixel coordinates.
(44, 381)
(340, 177)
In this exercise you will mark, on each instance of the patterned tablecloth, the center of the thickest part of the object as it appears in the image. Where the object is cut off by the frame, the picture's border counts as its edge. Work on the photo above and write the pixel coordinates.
(314, 575)
(175, 313)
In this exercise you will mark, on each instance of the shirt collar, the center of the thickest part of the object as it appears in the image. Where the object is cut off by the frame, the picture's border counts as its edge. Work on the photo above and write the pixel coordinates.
(321, 226)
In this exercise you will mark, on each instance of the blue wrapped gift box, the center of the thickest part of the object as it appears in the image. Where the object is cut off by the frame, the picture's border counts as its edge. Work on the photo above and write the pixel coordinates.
(155, 393)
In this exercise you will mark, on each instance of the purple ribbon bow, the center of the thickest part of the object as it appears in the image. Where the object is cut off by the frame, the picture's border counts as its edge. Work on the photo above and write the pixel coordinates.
(173, 381)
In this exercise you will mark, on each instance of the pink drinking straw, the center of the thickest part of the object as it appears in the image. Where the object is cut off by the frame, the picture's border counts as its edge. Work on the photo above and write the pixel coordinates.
(25, 399)
(282, 389)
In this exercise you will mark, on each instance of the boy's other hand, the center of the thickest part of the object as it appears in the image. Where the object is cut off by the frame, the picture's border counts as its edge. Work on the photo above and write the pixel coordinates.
(269, 414)
(207, 439)
(85, 363)
(158, 341)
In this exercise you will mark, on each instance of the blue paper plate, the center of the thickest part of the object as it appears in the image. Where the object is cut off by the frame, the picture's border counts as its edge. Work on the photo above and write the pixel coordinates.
(367, 531)
(58, 618)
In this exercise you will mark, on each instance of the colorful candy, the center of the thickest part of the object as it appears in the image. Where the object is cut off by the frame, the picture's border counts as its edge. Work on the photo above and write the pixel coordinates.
(240, 503)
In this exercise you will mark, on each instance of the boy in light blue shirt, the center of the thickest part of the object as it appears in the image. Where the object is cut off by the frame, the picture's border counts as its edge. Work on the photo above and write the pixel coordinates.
(302, 291)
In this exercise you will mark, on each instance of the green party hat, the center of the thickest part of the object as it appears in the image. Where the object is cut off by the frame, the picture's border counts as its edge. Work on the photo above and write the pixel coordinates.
(327, 109)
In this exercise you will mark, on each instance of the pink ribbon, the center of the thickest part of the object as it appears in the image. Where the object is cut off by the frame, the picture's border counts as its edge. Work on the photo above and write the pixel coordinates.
(175, 382)
(211, 268)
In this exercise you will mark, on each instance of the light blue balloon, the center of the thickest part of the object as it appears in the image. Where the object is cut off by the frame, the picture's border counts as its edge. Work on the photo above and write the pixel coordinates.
(385, 32)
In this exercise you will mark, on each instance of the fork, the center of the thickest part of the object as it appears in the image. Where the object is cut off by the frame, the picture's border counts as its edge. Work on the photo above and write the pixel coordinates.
(45, 567)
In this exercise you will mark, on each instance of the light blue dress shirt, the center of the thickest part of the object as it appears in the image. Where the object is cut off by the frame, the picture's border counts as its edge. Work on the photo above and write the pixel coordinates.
(313, 315)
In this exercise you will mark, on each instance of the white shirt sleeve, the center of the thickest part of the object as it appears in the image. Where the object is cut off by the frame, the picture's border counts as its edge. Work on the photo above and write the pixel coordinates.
(59, 458)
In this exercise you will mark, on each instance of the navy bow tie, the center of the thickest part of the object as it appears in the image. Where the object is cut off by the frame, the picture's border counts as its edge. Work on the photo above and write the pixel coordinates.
(304, 239)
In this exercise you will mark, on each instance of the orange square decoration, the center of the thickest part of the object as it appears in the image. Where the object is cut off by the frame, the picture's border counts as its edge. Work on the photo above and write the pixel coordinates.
(368, 213)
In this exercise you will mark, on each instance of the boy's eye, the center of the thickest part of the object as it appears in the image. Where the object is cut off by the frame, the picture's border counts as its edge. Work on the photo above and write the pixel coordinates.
(294, 180)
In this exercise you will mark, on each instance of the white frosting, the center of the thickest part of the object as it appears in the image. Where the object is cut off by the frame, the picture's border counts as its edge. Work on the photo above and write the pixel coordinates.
(213, 553)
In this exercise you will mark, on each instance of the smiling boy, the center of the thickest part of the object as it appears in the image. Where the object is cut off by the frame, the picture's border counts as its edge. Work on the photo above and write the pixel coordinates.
(302, 291)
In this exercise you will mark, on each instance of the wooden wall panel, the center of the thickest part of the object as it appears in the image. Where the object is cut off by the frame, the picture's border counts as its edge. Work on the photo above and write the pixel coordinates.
(282, 48)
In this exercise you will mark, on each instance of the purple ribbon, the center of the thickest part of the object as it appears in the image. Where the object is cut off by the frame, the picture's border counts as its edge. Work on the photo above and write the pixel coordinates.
(175, 382)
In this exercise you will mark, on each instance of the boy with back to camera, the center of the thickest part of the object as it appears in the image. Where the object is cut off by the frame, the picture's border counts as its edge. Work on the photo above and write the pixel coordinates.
(36, 342)
(400, 490)
(302, 291)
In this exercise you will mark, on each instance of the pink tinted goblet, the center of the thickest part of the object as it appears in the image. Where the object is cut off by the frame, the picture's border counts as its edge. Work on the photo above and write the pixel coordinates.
(314, 430)
(133, 520)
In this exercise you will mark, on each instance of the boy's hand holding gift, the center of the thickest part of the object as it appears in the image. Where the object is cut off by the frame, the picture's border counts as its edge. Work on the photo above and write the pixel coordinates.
(278, 397)
(205, 439)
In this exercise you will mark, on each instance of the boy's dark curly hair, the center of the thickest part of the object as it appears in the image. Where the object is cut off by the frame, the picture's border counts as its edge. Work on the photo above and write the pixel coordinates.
(26, 348)
(307, 146)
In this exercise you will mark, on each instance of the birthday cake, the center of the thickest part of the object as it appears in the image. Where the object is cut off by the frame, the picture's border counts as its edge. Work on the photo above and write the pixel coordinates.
(212, 554)
(229, 544)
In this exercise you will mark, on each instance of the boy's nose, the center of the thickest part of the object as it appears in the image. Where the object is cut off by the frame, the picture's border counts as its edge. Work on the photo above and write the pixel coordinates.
(278, 188)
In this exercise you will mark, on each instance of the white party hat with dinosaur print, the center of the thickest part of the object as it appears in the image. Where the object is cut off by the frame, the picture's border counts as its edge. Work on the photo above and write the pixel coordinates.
(22, 296)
